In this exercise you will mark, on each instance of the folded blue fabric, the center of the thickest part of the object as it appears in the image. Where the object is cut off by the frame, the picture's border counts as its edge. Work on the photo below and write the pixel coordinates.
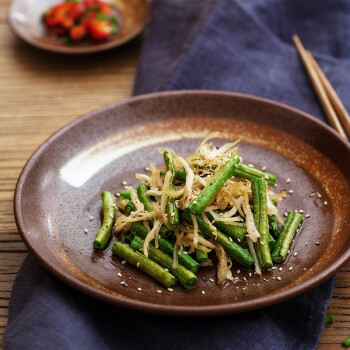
(203, 44)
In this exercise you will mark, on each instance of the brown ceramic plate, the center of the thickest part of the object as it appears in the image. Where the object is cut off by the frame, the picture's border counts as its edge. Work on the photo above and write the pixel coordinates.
(59, 189)
(25, 21)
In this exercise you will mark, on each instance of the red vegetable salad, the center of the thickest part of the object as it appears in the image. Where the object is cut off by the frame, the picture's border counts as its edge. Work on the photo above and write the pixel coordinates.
(74, 21)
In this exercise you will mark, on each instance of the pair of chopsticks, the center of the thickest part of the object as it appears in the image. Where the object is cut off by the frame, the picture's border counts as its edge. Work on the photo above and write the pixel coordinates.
(334, 109)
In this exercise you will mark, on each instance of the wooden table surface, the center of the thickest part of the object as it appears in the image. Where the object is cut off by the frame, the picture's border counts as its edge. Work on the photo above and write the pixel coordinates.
(40, 93)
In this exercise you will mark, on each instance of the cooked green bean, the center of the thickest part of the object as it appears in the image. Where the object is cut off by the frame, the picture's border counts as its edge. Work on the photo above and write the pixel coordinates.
(181, 175)
(171, 209)
(285, 239)
(185, 277)
(249, 173)
(144, 198)
(146, 265)
(108, 210)
(272, 243)
(198, 205)
(238, 233)
(235, 251)
(129, 208)
(201, 256)
(273, 226)
(167, 247)
(261, 222)
(126, 194)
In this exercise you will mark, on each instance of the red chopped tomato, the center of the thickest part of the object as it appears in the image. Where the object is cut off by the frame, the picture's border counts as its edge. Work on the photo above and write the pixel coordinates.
(91, 18)
(99, 29)
(78, 32)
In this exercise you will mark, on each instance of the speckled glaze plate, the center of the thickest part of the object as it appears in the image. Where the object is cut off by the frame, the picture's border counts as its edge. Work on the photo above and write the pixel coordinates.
(59, 189)
(25, 20)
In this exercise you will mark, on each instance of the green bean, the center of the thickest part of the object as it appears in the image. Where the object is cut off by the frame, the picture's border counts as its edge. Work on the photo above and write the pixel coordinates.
(129, 238)
(144, 198)
(261, 222)
(185, 277)
(329, 319)
(126, 194)
(272, 243)
(181, 175)
(129, 208)
(108, 210)
(201, 256)
(146, 265)
(198, 205)
(171, 209)
(167, 247)
(235, 251)
(285, 239)
(273, 227)
(249, 173)
(242, 171)
(238, 233)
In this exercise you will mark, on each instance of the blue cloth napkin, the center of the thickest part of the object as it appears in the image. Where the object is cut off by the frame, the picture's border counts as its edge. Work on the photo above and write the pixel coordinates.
(203, 44)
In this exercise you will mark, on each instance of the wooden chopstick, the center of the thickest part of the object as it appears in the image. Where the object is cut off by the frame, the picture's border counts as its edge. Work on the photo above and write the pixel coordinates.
(319, 88)
(332, 95)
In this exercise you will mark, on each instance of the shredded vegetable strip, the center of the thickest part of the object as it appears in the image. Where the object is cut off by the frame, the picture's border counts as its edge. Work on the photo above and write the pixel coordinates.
(151, 235)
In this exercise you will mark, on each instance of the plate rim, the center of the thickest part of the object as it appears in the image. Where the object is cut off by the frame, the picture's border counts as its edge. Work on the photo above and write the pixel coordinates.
(171, 310)
(65, 50)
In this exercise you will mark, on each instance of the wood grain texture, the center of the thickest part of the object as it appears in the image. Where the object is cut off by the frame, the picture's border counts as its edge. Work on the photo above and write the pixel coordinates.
(41, 92)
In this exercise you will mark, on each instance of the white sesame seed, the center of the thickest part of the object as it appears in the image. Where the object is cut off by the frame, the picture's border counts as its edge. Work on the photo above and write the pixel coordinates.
(290, 191)
(166, 269)
(251, 165)
(138, 264)
(250, 274)
(203, 292)
(85, 230)
(230, 238)
(124, 284)
(235, 298)
(291, 268)
(91, 218)
(273, 278)
(281, 268)
(237, 287)
(243, 288)
(238, 271)
(307, 215)
(148, 168)
(288, 251)
(312, 194)
(244, 279)
(124, 262)
(263, 168)
(325, 203)
(185, 253)
(129, 278)
(301, 211)
(319, 195)
(284, 196)
(266, 177)
(288, 181)
(285, 214)
(119, 274)
(264, 279)
(139, 289)
(304, 268)
(306, 244)
(276, 185)
(124, 183)
(262, 243)
(317, 243)
(159, 291)
(295, 254)
(117, 194)
(170, 289)
(114, 205)
(211, 280)
(279, 278)
(194, 202)
(258, 284)
(172, 214)
(273, 268)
